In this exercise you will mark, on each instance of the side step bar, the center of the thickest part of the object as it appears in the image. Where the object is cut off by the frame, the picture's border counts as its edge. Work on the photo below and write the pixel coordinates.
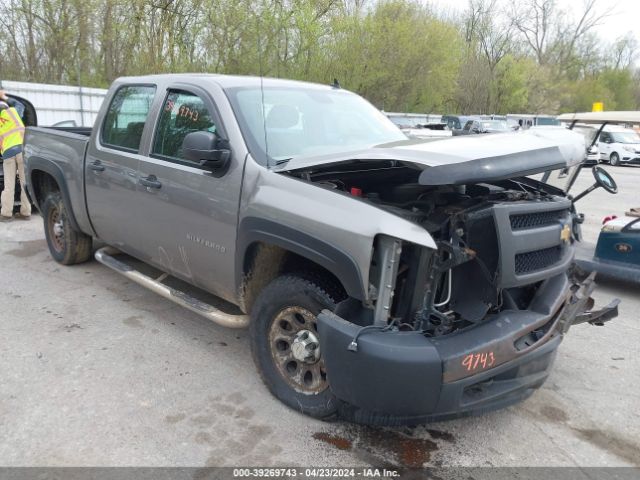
(106, 256)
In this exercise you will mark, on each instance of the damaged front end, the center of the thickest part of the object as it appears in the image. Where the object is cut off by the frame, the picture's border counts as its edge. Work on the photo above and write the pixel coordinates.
(472, 325)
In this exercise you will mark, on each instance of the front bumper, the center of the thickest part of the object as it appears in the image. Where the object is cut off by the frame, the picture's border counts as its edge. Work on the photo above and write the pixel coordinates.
(630, 158)
(396, 378)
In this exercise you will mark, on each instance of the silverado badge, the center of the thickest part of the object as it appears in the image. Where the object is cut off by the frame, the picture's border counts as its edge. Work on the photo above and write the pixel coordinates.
(565, 234)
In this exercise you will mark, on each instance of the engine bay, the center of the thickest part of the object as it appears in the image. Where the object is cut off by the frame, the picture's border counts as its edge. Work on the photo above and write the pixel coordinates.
(466, 280)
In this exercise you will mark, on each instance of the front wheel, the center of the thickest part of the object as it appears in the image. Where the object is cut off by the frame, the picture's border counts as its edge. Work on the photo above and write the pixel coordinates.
(614, 159)
(66, 245)
(286, 345)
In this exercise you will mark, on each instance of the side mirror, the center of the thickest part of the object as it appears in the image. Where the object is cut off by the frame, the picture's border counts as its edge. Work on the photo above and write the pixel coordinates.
(207, 150)
(603, 179)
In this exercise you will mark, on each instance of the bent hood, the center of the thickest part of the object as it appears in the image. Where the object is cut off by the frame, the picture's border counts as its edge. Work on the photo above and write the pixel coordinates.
(468, 159)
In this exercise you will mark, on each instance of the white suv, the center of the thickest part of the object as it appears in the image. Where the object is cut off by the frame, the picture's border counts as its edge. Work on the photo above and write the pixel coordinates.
(619, 145)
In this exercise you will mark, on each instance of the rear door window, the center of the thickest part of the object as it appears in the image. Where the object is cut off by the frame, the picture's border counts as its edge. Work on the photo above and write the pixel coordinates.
(126, 117)
(182, 113)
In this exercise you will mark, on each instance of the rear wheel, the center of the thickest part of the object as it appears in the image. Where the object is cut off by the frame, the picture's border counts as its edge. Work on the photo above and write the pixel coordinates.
(286, 345)
(614, 159)
(66, 245)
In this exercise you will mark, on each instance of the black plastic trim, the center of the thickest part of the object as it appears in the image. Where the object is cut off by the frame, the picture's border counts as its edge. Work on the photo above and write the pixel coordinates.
(253, 229)
(47, 166)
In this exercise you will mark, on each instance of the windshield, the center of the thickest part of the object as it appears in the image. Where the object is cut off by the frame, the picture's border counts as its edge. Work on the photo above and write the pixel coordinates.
(300, 122)
(561, 178)
(625, 137)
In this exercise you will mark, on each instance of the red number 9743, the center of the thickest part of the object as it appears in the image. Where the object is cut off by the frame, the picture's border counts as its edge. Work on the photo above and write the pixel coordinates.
(475, 361)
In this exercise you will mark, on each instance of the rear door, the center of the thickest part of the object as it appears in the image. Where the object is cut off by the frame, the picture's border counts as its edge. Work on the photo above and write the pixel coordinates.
(190, 213)
(111, 167)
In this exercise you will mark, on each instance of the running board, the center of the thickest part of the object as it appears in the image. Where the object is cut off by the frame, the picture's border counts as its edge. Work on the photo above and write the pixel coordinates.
(106, 256)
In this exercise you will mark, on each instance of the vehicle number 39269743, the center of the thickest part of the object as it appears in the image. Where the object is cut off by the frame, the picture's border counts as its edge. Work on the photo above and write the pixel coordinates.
(478, 361)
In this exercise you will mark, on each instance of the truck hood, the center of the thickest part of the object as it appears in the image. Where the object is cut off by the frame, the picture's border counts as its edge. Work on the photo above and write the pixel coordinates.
(467, 159)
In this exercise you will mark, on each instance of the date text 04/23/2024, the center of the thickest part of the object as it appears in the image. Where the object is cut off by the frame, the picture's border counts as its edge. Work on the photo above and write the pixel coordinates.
(314, 473)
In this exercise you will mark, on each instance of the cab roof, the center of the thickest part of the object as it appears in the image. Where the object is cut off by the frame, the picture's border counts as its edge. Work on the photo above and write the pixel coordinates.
(225, 81)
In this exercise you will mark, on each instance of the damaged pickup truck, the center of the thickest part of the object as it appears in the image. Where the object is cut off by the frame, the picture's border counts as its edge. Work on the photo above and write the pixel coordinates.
(382, 279)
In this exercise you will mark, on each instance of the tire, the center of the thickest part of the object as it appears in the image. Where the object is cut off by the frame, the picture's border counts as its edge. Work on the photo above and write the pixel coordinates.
(614, 159)
(66, 245)
(293, 302)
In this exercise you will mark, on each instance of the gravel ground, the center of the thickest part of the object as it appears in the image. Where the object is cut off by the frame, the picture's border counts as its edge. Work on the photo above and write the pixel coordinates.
(96, 371)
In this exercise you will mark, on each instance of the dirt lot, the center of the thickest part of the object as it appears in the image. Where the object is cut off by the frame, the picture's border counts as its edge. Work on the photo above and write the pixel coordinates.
(98, 371)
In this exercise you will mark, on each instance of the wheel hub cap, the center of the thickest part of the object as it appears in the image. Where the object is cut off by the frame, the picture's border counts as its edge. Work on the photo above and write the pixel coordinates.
(295, 350)
(58, 228)
(306, 347)
(55, 225)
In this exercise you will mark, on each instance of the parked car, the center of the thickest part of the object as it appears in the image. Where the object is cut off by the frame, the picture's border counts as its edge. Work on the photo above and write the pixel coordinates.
(382, 279)
(416, 125)
(528, 120)
(485, 126)
(619, 145)
(456, 123)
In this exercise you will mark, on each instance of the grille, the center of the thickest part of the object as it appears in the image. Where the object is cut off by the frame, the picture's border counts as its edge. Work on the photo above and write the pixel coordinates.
(537, 260)
(536, 219)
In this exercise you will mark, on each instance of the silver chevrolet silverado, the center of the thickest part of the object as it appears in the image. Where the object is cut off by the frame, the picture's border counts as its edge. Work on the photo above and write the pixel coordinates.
(382, 279)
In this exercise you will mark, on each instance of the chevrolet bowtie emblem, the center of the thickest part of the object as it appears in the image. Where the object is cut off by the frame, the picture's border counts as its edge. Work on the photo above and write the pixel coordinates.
(565, 234)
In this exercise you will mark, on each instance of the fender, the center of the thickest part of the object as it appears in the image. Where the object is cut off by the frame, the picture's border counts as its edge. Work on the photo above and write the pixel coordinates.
(338, 262)
(47, 166)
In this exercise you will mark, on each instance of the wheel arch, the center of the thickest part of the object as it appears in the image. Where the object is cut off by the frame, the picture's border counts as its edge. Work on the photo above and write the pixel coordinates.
(267, 249)
(44, 177)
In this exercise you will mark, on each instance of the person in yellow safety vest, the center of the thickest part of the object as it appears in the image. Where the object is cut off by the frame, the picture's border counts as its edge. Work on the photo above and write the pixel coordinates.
(11, 138)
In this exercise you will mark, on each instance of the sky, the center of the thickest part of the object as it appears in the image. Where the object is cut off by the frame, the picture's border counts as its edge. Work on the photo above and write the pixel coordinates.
(625, 15)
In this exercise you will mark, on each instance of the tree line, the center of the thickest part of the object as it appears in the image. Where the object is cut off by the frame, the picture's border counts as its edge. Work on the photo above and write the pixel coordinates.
(496, 56)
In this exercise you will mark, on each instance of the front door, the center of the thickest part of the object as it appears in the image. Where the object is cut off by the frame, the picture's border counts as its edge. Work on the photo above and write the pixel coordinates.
(604, 145)
(190, 213)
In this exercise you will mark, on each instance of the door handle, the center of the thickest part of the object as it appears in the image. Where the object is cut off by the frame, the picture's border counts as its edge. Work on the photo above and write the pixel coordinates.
(150, 182)
(97, 166)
